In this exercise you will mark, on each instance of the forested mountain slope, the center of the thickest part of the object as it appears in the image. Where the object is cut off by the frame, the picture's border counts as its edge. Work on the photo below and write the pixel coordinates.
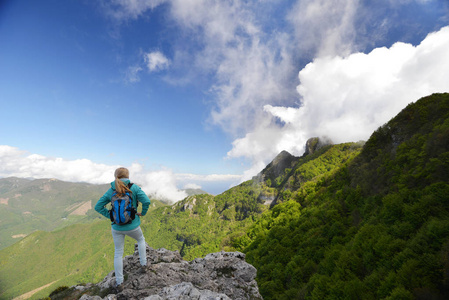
(196, 226)
(202, 224)
(378, 228)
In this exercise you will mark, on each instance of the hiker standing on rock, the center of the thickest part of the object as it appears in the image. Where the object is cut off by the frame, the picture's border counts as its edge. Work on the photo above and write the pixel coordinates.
(124, 198)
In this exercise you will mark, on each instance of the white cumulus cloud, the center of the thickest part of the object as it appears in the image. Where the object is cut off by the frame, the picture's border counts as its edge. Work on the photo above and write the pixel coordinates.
(19, 163)
(156, 61)
(161, 184)
(347, 98)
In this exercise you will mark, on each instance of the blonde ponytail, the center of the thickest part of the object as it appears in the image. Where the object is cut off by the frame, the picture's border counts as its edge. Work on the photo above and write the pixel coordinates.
(120, 187)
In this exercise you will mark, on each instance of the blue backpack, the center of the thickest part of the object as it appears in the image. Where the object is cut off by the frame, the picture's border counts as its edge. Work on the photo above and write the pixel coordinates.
(122, 211)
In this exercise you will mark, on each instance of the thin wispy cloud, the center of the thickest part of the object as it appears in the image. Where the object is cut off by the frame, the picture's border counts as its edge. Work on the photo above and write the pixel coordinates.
(132, 74)
(198, 181)
(207, 178)
(123, 10)
(192, 186)
(325, 27)
(249, 68)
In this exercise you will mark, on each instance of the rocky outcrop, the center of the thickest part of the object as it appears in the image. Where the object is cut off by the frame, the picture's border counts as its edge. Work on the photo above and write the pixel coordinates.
(221, 275)
(316, 143)
(285, 160)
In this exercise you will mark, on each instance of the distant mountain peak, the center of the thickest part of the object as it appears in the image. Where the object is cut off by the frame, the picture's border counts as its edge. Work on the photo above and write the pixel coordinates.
(277, 166)
(316, 143)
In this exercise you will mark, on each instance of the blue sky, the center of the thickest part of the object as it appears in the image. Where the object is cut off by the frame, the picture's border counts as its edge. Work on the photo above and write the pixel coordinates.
(204, 93)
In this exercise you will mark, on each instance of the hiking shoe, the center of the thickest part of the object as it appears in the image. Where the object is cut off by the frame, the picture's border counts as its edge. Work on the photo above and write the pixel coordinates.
(142, 270)
(117, 288)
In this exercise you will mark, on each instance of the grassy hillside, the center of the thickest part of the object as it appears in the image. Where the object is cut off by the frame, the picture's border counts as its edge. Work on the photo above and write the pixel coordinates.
(47, 204)
(43, 204)
(376, 229)
(76, 254)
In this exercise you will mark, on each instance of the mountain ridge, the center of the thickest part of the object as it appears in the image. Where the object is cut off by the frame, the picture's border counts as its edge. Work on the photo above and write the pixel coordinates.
(357, 220)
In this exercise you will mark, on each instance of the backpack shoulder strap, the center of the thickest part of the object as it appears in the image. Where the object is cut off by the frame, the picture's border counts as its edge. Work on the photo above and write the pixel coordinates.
(129, 186)
(137, 201)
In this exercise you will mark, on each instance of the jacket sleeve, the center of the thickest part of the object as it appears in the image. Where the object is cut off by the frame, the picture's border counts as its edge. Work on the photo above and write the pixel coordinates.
(104, 200)
(143, 198)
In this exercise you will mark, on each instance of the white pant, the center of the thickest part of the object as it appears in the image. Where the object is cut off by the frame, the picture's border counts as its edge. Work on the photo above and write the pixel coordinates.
(119, 243)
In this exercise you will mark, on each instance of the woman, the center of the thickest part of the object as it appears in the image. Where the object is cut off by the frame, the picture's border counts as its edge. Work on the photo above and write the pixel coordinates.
(121, 185)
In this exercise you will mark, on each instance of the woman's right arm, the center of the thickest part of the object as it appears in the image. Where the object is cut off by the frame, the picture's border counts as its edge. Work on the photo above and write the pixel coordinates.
(104, 200)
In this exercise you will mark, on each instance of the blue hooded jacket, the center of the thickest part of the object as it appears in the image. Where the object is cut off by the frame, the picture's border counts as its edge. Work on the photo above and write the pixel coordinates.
(137, 195)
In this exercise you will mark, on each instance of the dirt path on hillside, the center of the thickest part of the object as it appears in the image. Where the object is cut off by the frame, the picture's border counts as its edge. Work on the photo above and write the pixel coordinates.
(82, 209)
(31, 293)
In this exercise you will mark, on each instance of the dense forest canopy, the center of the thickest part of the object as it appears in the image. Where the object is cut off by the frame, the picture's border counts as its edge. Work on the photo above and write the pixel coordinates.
(378, 228)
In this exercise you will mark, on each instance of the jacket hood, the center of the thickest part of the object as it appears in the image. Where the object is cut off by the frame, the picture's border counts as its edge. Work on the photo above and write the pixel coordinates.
(126, 181)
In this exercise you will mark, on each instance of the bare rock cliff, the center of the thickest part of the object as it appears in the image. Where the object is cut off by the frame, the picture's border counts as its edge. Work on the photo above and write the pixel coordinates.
(221, 275)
